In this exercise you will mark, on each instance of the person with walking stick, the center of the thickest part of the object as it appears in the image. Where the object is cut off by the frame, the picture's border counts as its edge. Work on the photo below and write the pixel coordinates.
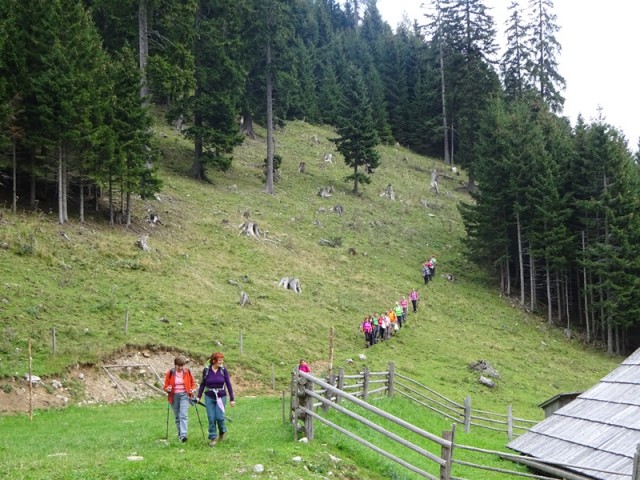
(180, 387)
(215, 379)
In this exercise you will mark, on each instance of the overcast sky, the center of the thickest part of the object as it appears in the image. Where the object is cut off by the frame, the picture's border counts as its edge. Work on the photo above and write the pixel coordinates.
(599, 39)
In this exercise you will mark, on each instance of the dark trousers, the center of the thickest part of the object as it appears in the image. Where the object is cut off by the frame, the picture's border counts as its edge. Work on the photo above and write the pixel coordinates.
(415, 305)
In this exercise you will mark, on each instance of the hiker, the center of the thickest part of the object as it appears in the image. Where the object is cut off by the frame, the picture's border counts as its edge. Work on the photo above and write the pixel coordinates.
(433, 265)
(425, 273)
(399, 314)
(215, 378)
(367, 329)
(180, 386)
(404, 304)
(304, 366)
(414, 297)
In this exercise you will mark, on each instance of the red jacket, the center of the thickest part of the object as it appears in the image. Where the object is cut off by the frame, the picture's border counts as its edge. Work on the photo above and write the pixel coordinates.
(170, 380)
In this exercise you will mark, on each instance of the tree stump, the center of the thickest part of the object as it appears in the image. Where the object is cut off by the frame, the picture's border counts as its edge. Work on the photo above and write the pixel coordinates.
(291, 283)
(301, 167)
(250, 229)
(244, 299)
(142, 243)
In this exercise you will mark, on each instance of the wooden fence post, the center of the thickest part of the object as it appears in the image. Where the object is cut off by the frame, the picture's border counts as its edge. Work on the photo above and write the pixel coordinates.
(340, 383)
(447, 454)
(327, 394)
(30, 383)
(295, 404)
(365, 383)
(510, 422)
(126, 322)
(467, 414)
(331, 334)
(391, 379)
(308, 419)
(636, 464)
(53, 340)
(284, 418)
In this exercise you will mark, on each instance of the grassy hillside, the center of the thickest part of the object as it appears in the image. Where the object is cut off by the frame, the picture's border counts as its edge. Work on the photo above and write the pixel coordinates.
(82, 279)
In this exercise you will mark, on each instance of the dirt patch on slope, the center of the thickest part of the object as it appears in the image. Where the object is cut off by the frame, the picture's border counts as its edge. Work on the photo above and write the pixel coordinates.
(129, 375)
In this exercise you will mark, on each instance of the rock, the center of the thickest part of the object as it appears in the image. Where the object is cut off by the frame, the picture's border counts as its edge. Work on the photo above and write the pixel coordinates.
(487, 382)
(334, 459)
(81, 376)
(135, 458)
(258, 468)
(146, 354)
(56, 384)
(362, 356)
(304, 440)
(34, 379)
(349, 360)
(296, 459)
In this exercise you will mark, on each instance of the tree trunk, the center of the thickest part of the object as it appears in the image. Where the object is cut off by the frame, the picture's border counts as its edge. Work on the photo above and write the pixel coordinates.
(520, 259)
(128, 209)
(81, 199)
(65, 185)
(143, 41)
(247, 125)
(60, 187)
(32, 186)
(532, 279)
(268, 188)
(111, 212)
(447, 158)
(14, 196)
(559, 299)
(549, 299)
(356, 190)
(585, 292)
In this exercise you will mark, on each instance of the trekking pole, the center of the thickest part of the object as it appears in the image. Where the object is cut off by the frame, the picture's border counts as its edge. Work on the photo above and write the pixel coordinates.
(195, 405)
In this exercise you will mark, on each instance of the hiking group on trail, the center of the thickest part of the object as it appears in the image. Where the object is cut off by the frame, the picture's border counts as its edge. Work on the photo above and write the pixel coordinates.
(181, 392)
(380, 327)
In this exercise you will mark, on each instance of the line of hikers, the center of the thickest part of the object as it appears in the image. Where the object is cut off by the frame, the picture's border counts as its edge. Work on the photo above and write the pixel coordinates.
(380, 327)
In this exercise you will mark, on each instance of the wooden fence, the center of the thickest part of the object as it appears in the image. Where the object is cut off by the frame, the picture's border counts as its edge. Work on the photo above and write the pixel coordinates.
(302, 408)
(390, 383)
(357, 389)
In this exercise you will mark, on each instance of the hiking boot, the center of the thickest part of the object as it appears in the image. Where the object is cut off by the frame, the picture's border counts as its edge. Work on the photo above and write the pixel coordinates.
(212, 442)
(183, 439)
(220, 438)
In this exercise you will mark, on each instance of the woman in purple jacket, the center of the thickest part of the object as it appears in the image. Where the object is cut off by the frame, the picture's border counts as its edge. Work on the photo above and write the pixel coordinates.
(214, 380)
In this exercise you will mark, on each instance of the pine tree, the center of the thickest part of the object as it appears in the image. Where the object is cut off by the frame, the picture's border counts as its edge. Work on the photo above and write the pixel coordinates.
(543, 44)
(357, 133)
(516, 57)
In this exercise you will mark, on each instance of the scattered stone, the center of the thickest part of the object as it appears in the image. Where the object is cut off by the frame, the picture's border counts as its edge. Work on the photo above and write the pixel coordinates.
(258, 468)
(349, 360)
(487, 382)
(362, 356)
(135, 458)
(56, 384)
(304, 440)
(81, 376)
(334, 459)
(34, 379)
(146, 354)
(296, 459)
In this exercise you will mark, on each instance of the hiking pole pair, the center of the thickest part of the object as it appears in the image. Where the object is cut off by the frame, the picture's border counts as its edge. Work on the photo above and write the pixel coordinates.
(195, 404)
(166, 435)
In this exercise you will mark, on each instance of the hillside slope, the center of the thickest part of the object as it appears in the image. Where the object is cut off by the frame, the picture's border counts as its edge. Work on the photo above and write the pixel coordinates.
(83, 280)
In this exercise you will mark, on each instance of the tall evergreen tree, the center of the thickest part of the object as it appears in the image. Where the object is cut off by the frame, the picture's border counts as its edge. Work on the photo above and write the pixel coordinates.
(357, 139)
(544, 46)
(516, 57)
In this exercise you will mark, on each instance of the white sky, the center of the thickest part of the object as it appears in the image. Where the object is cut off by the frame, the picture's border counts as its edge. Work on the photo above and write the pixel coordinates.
(599, 39)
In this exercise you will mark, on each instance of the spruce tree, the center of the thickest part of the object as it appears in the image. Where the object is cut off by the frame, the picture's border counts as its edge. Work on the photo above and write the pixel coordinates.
(357, 139)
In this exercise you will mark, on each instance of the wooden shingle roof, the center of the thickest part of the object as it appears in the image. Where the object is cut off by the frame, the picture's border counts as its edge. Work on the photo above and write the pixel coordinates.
(600, 429)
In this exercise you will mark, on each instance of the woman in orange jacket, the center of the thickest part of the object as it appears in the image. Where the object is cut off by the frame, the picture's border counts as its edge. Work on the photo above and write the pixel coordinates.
(180, 385)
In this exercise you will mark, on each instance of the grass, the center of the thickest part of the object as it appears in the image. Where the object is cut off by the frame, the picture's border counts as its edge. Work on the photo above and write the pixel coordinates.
(83, 279)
